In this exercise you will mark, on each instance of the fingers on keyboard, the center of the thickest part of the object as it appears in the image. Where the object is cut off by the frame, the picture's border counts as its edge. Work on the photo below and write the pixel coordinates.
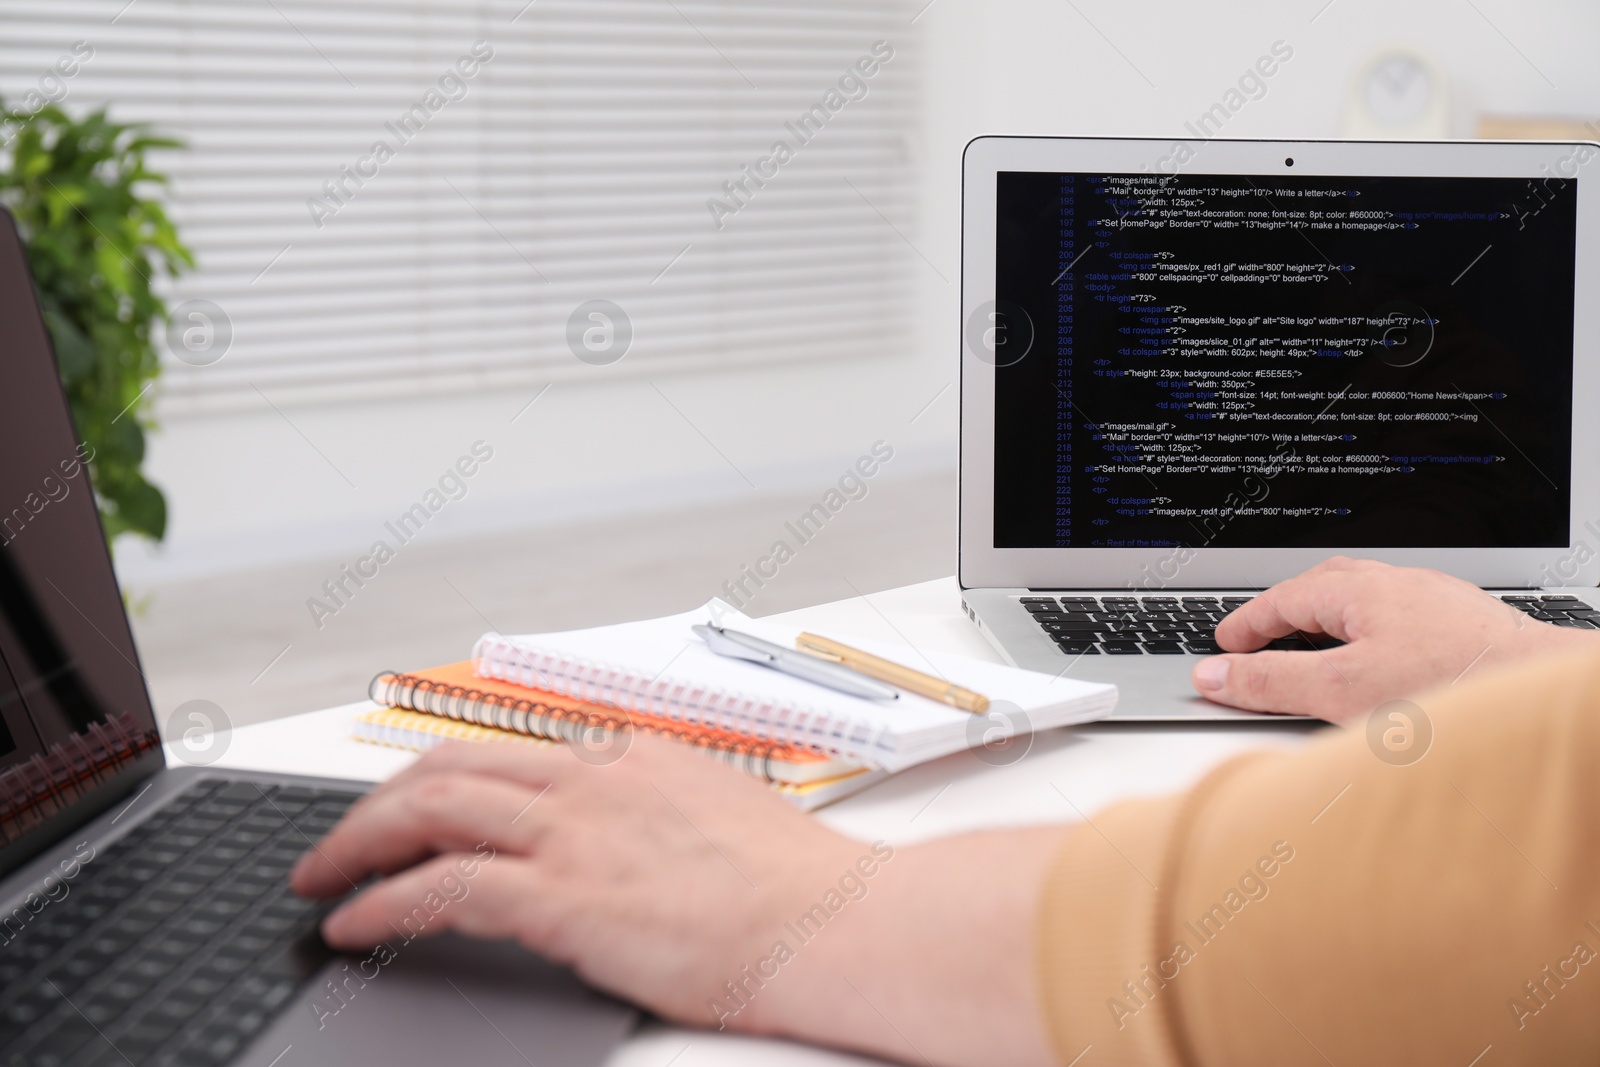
(1177, 626)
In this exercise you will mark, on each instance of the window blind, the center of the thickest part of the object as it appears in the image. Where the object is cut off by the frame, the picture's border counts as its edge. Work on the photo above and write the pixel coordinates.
(536, 156)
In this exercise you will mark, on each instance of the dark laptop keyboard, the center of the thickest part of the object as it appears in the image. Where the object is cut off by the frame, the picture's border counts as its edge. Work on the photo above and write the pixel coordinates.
(1186, 625)
(1561, 610)
(175, 945)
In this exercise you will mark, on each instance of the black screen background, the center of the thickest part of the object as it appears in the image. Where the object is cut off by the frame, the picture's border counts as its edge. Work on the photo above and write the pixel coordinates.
(1505, 325)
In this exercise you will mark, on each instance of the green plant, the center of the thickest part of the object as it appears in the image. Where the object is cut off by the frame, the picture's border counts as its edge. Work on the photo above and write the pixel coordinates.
(93, 241)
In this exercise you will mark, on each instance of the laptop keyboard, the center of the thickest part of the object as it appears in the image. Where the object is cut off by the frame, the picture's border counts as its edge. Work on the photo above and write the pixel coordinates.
(175, 945)
(1186, 625)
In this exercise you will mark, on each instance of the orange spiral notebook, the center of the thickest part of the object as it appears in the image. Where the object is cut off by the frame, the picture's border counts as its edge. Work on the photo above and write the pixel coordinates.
(418, 731)
(454, 692)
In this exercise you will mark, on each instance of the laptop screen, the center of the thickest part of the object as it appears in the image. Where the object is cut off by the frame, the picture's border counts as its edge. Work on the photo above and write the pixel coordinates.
(76, 726)
(1290, 361)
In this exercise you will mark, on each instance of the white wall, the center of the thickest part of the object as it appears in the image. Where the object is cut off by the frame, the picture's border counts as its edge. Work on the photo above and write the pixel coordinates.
(1105, 68)
(251, 488)
(1048, 66)
(248, 488)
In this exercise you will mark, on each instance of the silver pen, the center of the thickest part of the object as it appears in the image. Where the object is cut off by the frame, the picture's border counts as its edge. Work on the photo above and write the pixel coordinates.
(736, 645)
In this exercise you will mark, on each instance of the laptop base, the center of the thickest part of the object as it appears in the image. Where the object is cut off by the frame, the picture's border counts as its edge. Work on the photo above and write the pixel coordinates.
(1151, 688)
(425, 997)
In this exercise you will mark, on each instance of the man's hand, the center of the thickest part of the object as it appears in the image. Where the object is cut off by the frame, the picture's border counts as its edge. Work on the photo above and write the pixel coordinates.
(671, 881)
(1406, 630)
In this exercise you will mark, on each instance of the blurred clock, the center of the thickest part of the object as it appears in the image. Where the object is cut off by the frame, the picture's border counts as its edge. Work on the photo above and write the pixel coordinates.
(1398, 93)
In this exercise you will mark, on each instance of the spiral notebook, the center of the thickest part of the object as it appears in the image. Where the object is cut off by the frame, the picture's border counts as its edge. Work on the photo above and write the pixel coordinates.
(660, 668)
(418, 731)
(458, 698)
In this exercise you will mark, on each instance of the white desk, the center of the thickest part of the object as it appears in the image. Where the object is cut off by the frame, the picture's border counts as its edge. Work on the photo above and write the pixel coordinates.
(1066, 772)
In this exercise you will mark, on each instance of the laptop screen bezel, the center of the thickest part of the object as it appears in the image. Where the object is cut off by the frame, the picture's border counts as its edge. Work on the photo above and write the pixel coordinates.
(982, 565)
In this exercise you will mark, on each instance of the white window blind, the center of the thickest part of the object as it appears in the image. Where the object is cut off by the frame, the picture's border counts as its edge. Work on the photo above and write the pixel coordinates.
(575, 164)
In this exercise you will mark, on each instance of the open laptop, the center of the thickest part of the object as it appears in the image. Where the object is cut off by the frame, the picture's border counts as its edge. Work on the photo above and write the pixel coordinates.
(145, 916)
(1193, 369)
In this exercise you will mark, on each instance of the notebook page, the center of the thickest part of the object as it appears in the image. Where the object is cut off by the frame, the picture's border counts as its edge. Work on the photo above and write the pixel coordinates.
(660, 667)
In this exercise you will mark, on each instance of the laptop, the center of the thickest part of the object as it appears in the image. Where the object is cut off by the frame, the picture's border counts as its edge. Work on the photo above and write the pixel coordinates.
(145, 916)
(1193, 369)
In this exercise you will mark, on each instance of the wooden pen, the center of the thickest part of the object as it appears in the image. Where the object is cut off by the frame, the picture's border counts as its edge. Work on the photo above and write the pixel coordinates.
(893, 673)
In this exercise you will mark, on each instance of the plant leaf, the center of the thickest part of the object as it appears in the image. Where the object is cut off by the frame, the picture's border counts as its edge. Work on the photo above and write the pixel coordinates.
(74, 354)
(95, 241)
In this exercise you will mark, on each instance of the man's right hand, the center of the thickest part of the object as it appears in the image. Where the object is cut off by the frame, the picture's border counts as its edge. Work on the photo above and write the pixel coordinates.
(1405, 629)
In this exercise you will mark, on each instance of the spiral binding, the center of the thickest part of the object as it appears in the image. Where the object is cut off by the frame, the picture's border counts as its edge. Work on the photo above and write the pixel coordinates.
(706, 706)
(536, 718)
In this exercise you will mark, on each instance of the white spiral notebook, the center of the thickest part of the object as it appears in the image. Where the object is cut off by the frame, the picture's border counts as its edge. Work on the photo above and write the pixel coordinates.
(659, 667)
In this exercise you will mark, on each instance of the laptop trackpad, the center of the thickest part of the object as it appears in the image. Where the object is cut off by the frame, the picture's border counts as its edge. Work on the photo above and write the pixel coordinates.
(445, 1000)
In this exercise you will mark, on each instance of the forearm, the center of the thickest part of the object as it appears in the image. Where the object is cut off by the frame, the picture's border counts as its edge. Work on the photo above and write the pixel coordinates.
(1333, 906)
(936, 964)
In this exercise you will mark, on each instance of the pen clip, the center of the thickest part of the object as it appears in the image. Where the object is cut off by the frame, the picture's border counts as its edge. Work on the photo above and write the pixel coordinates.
(728, 644)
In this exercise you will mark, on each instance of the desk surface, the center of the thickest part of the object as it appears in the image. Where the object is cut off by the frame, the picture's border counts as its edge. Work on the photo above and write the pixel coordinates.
(1066, 774)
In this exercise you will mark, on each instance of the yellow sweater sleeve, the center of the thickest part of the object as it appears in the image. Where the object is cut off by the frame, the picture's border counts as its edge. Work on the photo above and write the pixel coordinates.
(1348, 905)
